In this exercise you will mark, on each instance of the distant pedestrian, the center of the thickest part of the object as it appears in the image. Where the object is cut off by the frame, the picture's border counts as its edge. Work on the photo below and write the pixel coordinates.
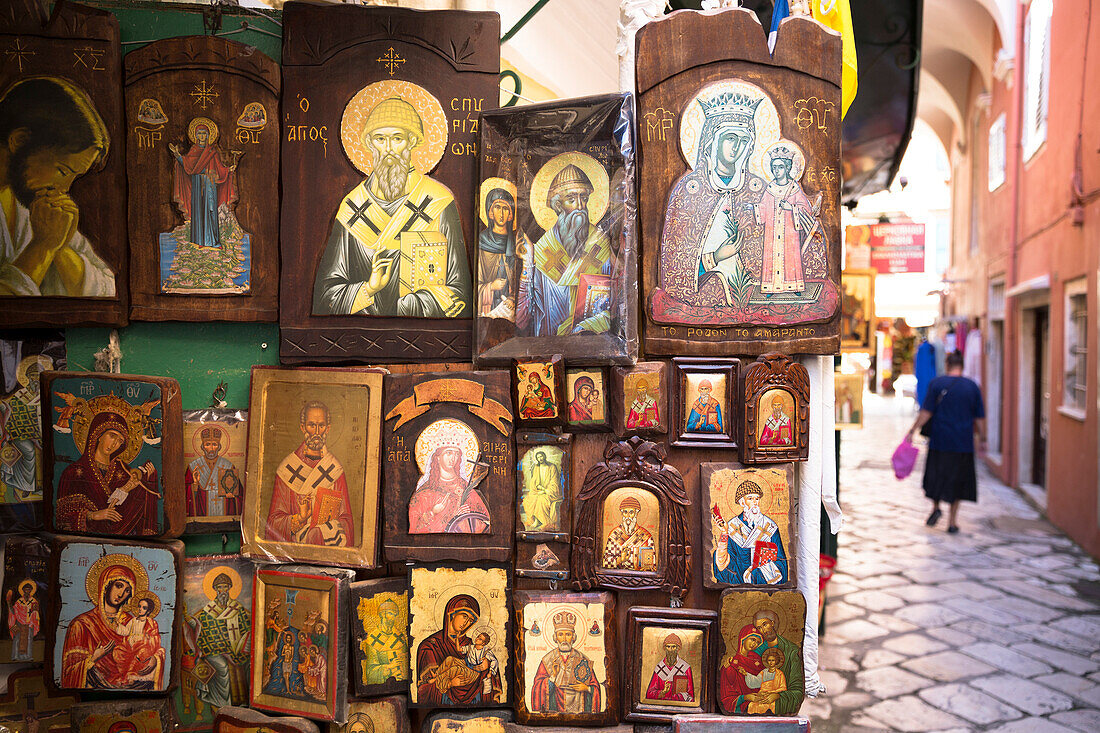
(924, 368)
(956, 411)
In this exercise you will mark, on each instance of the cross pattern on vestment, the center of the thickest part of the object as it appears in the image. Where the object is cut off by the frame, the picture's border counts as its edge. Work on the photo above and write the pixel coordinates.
(360, 212)
(378, 640)
(555, 261)
(418, 212)
(326, 474)
(592, 258)
(296, 473)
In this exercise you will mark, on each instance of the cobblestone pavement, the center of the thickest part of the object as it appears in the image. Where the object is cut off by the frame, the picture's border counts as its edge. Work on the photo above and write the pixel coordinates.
(996, 628)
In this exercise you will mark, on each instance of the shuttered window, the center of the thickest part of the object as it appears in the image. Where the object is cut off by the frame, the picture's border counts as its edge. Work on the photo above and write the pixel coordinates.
(1036, 75)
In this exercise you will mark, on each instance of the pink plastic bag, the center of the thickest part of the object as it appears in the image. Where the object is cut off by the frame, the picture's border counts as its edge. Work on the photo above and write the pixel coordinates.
(904, 458)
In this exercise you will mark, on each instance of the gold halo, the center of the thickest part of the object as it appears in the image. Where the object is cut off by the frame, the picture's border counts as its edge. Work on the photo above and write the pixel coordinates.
(488, 185)
(196, 438)
(132, 606)
(548, 619)
(759, 162)
(91, 580)
(235, 583)
(691, 119)
(31, 583)
(467, 590)
(432, 436)
(597, 202)
(84, 415)
(44, 363)
(426, 155)
(210, 125)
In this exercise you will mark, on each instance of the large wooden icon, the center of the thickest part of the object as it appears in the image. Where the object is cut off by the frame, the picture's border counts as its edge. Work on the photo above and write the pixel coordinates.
(300, 658)
(748, 517)
(113, 459)
(776, 424)
(740, 184)
(202, 124)
(556, 262)
(449, 486)
(313, 466)
(631, 531)
(762, 634)
(381, 111)
(380, 636)
(669, 671)
(63, 250)
(216, 638)
(120, 595)
(459, 627)
(24, 594)
(566, 650)
(33, 352)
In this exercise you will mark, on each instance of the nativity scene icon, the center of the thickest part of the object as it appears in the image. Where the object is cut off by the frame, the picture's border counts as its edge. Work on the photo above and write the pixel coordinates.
(209, 253)
(743, 241)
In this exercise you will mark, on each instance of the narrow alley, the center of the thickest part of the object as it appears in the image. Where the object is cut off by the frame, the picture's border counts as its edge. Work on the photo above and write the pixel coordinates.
(994, 629)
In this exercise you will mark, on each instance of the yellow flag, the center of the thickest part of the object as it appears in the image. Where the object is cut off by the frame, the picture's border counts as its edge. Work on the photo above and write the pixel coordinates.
(837, 14)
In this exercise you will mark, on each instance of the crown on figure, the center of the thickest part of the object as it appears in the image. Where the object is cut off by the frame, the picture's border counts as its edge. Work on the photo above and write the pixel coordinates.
(565, 620)
(211, 434)
(740, 109)
(781, 152)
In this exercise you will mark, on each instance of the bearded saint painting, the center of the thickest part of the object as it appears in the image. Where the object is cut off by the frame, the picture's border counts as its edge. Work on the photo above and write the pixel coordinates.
(101, 493)
(742, 242)
(116, 644)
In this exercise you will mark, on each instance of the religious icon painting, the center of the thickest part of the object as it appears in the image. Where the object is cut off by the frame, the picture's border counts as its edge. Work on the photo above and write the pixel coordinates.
(313, 466)
(382, 715)
(380, 636)
(300, 624)
(481, 721)
(24, 593)
(631, 531)
(61, 105)
(32, 706)
(566, 665)
(640, 399)
(587, 406)
(848, 390)
(124, 596)
(203, 162)
(128, 716)
(214, 443)
(113, 460)
(449, 467)
(216, 639)
(762, 634)
(539, 390)
(556, 260)
(703, 413)
(776, 425)
(857, 308)
(671, 655)
(739, 187)
(235, 719)
(543, 505)
(724, 724)
(381, 108)
(749, 516)
(459, 629)
(22, 358)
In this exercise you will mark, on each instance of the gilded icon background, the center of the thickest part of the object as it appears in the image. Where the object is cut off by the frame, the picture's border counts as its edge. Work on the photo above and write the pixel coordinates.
(384, 619)
(587, 396)
(630, 530)
(565, 647)
(776, 423)
(537, 397)
(671, 666)
(747, 514)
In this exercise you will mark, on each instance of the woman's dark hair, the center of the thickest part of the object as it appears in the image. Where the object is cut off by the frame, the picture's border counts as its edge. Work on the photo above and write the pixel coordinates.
(55, 113)
(954, 360)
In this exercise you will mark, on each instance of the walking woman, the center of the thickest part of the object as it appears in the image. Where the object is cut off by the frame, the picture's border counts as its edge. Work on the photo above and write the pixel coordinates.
(956, 411)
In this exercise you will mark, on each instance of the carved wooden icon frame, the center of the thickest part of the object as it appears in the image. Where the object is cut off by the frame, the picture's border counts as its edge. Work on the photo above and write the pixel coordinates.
(775, 378)
(625, 382)
(782, 511)
(238, 104)
(635, 465)
(424, 412)
(363, 593)
(79, 45)
(687, 372)
(320, 590)
(550, 372)
(555, 602)
(636, 677)
(148, 409)
(604, 388)
(698, 71)
(342, 61)
(544, 554)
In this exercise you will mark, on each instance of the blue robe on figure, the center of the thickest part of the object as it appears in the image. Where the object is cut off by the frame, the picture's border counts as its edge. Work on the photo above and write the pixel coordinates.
(277, 685)
(742, 544)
